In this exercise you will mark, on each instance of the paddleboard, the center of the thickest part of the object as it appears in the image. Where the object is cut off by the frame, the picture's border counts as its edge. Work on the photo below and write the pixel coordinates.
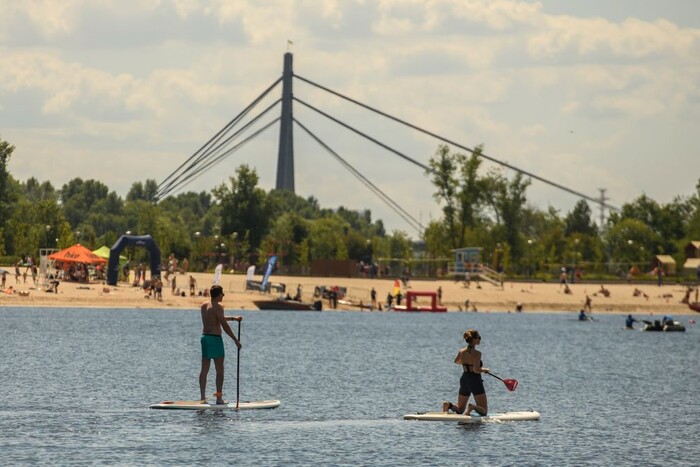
(473, 417)
(198, 405)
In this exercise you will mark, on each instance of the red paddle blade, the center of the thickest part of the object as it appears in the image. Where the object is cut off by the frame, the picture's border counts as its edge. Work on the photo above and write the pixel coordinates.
(511, 384)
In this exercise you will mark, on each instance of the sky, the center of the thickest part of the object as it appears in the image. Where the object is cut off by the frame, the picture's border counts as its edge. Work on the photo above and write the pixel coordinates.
(590, 95)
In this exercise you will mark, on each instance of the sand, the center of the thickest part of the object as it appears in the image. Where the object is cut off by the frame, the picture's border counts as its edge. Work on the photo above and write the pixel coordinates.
(534, 297)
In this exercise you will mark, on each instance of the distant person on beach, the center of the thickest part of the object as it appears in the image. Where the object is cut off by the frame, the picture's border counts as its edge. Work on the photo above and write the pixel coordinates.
(470, 382)
(213, 321)
(562, 277)
(587, 305)
(373, 297)
(439, 295)
(4, 280)
(193, 285)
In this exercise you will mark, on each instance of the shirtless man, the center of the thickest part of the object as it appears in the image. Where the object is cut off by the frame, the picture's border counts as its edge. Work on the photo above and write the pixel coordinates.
(213, 320)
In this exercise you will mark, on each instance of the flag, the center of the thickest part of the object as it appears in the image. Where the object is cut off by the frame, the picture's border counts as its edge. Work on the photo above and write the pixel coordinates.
(268, 270)
(217, 274)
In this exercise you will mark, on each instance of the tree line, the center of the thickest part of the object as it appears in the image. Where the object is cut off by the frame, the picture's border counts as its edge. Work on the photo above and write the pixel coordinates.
(241, 223)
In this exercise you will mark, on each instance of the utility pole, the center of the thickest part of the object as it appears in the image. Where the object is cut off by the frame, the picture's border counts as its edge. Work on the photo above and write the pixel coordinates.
(601, 205)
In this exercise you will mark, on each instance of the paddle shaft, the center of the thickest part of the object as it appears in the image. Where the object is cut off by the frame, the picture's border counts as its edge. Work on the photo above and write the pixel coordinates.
(238, 367)
(494, 376)
(511, 384)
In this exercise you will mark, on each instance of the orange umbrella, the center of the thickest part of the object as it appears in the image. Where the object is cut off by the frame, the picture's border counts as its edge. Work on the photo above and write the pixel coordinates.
(77, 254)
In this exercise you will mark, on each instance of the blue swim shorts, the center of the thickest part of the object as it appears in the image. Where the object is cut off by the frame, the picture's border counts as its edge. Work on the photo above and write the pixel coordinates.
(212, 346)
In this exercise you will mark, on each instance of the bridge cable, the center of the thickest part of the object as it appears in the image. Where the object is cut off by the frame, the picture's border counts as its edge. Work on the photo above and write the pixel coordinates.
(219, 134)
(200, 170)
(390, 202)
(453, 143)
(364, 135)
(211, 153)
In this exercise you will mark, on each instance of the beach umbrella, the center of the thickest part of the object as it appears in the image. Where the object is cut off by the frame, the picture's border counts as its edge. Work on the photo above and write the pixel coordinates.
(104, 251)
(77, 254)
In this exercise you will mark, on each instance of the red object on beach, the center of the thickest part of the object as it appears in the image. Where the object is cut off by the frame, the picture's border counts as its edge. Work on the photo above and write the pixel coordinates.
(511, 384)
(695, 306)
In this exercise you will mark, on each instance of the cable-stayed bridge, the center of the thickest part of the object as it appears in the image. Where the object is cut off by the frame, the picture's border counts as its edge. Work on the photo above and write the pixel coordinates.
(239, 131)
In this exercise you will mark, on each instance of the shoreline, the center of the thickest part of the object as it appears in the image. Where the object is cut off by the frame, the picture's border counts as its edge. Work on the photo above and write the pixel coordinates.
(534, 297)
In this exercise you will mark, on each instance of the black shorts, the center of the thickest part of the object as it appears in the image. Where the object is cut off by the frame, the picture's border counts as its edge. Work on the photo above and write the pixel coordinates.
(471, 383)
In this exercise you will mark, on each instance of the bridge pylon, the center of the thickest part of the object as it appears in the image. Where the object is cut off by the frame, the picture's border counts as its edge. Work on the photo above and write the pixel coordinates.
(285, 155)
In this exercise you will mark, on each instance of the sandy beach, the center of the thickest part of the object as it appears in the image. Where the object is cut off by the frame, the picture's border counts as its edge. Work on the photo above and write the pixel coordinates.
(534, 297)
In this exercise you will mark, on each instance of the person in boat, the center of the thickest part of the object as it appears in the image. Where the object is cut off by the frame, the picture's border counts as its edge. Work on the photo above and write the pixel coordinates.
(582, 316)
(213, 321)
(470, 383)
(629, 322)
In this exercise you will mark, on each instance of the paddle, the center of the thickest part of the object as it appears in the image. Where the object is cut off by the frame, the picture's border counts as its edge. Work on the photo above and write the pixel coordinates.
(238, 359)
(511, 384)
(238, 367)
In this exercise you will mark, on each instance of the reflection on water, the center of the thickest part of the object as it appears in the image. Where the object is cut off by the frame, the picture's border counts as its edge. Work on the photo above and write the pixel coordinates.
(77, 384)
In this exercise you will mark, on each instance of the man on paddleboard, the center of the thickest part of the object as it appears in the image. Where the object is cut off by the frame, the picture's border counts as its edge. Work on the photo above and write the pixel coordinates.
(213, 320)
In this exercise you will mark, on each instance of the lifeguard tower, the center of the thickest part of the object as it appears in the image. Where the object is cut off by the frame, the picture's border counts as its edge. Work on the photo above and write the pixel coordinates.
(468, 261)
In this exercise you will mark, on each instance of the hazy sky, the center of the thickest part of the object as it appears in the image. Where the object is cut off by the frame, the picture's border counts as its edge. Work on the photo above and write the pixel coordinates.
(590, 94)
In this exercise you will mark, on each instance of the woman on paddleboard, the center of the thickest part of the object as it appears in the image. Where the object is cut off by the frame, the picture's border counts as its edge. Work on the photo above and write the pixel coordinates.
(470, 382)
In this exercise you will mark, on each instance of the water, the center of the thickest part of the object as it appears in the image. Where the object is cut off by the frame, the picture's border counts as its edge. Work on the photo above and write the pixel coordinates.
(76, 387)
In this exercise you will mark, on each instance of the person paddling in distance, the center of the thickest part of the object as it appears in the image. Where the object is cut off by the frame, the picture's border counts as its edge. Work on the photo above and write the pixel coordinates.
(470, 382)
(213, 321)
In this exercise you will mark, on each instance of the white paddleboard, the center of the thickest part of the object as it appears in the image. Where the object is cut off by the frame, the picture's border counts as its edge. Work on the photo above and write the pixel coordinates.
(198, 405)
(473, 417)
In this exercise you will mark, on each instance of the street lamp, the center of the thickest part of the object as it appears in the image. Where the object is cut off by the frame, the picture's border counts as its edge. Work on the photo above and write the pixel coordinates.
(573, 276)
(48, 229)
(77, 235)
(529, 258)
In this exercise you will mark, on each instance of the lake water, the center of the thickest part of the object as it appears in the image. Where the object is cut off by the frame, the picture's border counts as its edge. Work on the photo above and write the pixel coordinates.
(77, 383)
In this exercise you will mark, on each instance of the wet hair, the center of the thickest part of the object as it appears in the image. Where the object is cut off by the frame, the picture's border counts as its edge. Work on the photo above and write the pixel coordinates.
(470, 335)
(215, 291)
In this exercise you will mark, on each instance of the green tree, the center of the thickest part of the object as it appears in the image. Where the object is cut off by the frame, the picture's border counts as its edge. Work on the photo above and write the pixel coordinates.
(244, 206)
(579, 220)
(6, 198)
(443, 170)
(507, 199)
(143, 191)
(79, 198)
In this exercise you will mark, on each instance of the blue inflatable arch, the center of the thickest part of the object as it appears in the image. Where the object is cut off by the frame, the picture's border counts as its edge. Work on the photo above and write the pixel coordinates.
(124, 241)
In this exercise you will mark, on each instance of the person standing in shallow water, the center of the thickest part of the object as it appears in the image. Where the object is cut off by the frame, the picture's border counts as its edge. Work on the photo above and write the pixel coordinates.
(213, 321)
(470, 383)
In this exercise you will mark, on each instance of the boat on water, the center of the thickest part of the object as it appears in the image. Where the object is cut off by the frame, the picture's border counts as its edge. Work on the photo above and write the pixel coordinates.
(665, 326)
(290, 305)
